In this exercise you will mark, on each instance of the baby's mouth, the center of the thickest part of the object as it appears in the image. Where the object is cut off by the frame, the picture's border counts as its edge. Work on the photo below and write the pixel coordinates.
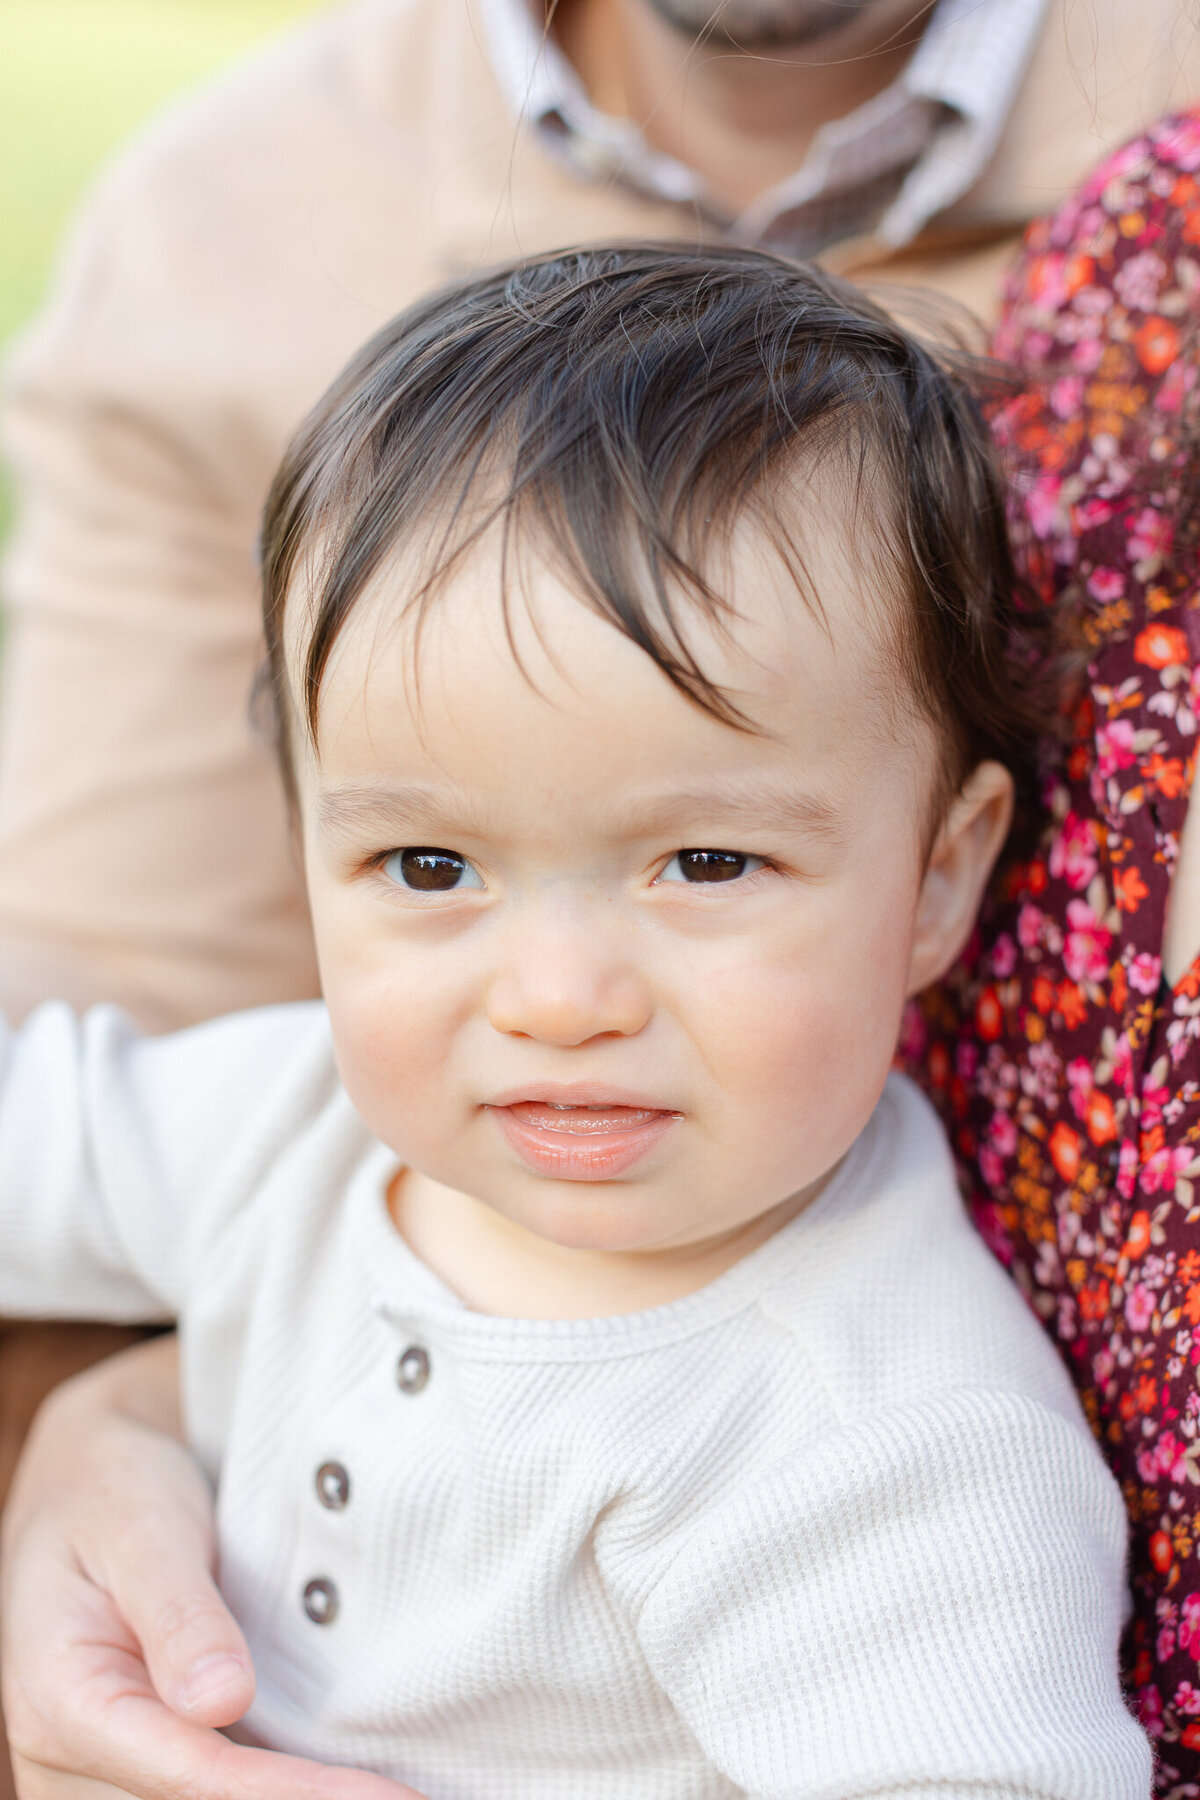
(584, 1121)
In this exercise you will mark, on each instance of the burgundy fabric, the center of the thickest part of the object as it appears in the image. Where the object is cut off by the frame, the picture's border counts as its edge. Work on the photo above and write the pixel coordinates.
(1068, 1073)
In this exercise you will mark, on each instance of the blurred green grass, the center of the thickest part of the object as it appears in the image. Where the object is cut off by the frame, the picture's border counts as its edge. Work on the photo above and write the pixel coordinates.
(76, 77)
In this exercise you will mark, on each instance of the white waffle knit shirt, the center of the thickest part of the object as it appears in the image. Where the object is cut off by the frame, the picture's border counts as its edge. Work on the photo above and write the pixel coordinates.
(831, 1527)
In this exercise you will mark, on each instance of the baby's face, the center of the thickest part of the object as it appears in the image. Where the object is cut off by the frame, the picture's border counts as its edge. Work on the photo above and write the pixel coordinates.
(627, 975)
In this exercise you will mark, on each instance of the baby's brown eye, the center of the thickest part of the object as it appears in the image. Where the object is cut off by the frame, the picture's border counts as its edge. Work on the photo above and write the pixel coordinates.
(707, 865)
(430, 871)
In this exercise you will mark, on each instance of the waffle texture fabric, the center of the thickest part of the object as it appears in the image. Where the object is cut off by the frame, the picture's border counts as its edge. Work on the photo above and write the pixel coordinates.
(831, 1527)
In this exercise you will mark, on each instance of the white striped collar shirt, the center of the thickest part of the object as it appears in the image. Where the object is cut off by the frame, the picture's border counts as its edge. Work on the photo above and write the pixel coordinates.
(888, 167)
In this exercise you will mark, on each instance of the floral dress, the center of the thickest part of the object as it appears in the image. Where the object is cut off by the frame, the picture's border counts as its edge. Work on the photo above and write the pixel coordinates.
(1067, 1070)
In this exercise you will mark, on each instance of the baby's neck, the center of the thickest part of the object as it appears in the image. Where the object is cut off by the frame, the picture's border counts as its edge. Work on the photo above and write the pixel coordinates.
(495, 1266)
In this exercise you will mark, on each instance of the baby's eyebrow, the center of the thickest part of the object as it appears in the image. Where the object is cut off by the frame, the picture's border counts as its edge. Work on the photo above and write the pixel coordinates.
(359, 806)
(740, 806)
(744, 805)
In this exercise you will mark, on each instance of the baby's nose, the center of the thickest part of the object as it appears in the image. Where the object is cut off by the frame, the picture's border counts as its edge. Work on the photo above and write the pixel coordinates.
(563, 990)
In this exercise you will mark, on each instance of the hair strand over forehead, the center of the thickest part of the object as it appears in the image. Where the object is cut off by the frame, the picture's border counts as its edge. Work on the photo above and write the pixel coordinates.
(630, 403)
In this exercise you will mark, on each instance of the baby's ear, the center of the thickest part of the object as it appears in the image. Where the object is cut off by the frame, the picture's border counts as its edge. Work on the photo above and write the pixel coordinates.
(963, 854)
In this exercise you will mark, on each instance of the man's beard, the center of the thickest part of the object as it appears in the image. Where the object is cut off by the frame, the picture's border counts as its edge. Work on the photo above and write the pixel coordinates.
(765, 24)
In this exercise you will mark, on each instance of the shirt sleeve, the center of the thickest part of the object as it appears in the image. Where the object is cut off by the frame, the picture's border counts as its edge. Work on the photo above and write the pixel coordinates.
(144, 849)
(924, 1605)
(122, 1157)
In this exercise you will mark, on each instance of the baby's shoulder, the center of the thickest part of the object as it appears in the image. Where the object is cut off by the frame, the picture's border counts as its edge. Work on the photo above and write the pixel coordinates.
(894, 1299)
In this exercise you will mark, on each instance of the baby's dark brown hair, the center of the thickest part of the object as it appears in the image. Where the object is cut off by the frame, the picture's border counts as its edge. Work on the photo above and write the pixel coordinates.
(629, 404)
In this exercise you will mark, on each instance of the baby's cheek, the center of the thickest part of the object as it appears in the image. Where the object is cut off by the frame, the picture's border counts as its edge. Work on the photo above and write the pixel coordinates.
(388, 1060)
(806, 1052)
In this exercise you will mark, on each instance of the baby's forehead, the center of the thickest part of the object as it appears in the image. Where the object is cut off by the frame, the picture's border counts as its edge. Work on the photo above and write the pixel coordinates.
(800, 658)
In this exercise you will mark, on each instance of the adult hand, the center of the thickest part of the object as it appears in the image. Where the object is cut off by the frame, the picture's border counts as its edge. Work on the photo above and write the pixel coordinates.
(120, 1659)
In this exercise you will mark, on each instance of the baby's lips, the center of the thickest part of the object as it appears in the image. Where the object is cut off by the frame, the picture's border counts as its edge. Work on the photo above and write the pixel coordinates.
(584, 1121)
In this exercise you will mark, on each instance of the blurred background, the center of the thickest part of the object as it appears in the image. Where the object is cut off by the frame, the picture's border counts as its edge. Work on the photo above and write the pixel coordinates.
(76, 77)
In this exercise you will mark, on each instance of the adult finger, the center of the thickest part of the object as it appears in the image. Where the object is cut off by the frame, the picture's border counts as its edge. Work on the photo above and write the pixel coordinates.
(149, 1546)
(82, 1709)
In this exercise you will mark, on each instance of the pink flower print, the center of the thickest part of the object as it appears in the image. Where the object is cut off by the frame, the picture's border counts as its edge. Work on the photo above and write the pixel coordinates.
(1144, 972)
(1003, 1133)
(1151, 534)
(1147, 1704)
(1130, 156)
(1004, 955)
(1071, 854)
(1165, 1644)
(966, 1060)
(1153, 1101)
(1127, 1170)
(1085, 952)
(1138, 281)
(1187, 1699)
(1166, 1460)
(1042, 506)
(991, 1229)
(1029, 926)
(1114, 745)
(1106, 584)
(991, 1167)
(1180, 143)
(1139, 1306)
(1086, 355)
(1066, 396)
(1189, 1625)
(1047, 282)
(1091, 512)
(1080, 1079)
(1174, 386)
(1093, 301)
(1122, 1063)
(1162, 1169)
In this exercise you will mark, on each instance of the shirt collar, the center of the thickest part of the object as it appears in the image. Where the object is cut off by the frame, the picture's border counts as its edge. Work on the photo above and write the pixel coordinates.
(943, 116)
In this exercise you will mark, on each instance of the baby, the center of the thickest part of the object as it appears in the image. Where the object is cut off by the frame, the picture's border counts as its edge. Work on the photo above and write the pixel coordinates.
(607, 1395)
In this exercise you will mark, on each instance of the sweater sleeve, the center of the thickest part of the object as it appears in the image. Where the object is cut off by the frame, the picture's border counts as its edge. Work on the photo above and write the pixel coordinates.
(121, 1156)
(926, 1604)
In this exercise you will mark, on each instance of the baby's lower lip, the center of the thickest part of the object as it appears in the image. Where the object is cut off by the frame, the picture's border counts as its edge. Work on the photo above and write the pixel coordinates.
(581, 1143)
(583, 1121)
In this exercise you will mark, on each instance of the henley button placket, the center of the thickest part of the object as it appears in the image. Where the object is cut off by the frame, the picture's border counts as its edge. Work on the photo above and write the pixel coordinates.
(412, 1371)
(320, 1599)
(333, 1486)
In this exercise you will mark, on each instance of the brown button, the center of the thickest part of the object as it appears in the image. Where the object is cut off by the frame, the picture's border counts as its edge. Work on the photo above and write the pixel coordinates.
(321, 1601)
(412, 1371)
(333, 1486)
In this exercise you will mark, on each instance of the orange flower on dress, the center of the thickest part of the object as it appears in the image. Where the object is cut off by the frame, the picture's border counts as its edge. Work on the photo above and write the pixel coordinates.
(1102, 1129)
(1138, 1241)
(1093, 1301)
(989, 1015)
(1042, 993)
(1157, 345)
(1078, 271)
(1189, 983)
(1162, 1551)
(1158, 646)
(1167, 775)
(1119, 991)
(1071, 1003)
(1064, 1150)
(1129, 890)
(1191, 1304)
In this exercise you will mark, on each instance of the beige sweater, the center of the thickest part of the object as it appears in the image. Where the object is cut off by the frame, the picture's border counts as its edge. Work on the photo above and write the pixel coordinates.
(223, 271)
(831, 1528)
